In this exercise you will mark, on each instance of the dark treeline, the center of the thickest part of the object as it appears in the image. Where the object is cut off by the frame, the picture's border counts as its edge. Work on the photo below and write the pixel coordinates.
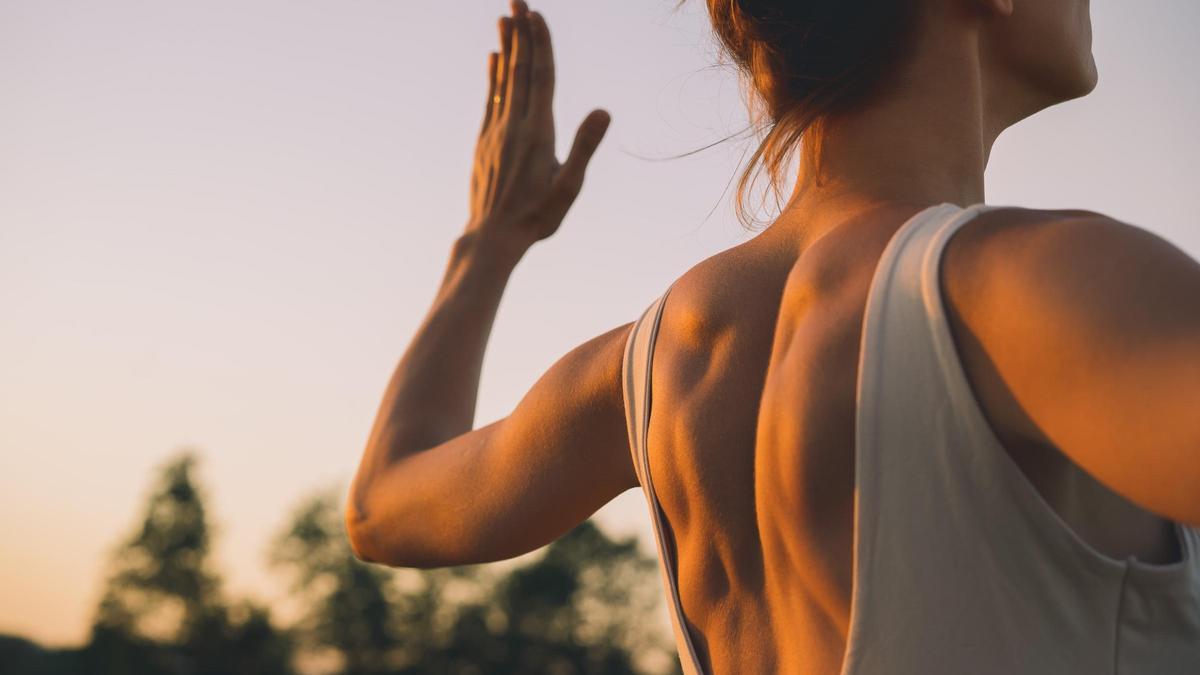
(585, 605)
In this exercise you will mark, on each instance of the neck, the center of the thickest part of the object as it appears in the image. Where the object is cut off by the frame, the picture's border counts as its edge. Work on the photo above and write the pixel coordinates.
(923, 140)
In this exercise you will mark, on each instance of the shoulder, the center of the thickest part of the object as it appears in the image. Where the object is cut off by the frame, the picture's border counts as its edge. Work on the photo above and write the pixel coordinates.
(729, 291)
(1068, 265)
(1082, 333)
(1010, 235)
(1046, 303)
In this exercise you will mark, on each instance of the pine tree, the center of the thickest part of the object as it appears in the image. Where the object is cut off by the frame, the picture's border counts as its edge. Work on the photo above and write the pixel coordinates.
(581, 608)
(162, 610)
(350, 612)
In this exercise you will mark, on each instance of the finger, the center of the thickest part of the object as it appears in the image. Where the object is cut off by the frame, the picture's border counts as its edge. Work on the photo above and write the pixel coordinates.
(493, 57)
(569, 180)
(505, 26)
(522, 60)
(541, 79)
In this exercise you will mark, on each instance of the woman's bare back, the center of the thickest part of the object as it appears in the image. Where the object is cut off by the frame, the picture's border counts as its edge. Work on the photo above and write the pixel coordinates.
(752, 440)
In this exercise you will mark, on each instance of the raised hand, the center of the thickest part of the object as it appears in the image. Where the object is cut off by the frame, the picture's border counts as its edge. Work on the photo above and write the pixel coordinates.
(520, 193)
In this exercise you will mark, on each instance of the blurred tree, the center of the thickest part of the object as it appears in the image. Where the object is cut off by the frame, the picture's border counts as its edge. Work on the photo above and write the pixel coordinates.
(580, 608)
(349, 604)
(18, 655)
(162, 610)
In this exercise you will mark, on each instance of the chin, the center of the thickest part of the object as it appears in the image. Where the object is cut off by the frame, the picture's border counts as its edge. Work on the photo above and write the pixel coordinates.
(1083, 83)
(1093, 77)
(1070, 81)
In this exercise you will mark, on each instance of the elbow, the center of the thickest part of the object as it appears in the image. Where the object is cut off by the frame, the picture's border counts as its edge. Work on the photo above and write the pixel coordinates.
(383, 533)
(370, 543)
(362, 532)
(357, 532)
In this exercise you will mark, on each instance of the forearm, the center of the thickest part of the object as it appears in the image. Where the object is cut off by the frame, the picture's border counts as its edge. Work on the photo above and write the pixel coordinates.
(520, 194)
(431, 395)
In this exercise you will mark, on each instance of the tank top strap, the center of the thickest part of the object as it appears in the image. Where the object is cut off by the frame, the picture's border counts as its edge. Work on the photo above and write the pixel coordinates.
(906, 341)
(636, 378)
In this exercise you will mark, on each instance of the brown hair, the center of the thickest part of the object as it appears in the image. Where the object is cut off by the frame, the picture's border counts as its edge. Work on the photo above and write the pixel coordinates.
(800, 61)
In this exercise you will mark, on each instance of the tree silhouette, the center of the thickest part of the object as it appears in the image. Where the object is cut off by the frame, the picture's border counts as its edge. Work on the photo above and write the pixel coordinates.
(350, 610)
(580, 608)
(162, 610)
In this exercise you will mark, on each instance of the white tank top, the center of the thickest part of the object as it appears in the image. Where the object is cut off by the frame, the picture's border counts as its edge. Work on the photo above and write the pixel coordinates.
(960, 565)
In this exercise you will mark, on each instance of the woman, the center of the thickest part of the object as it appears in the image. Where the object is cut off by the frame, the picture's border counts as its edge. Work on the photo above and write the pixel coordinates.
(878, 448)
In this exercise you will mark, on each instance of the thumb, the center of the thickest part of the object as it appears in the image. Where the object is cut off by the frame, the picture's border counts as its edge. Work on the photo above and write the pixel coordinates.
(587, 139)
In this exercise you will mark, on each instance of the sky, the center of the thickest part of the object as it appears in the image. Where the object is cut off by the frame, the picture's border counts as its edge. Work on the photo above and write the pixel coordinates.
(221, 223)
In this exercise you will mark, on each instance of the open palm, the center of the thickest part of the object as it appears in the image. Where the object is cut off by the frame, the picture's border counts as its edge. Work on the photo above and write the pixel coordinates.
(520, 193)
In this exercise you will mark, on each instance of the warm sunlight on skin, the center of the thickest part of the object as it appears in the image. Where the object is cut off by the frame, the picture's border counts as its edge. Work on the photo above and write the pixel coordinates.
(407, 505)
(220, 226)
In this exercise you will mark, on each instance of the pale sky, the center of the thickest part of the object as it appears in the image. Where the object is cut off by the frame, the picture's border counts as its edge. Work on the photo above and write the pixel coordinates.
(221, 222)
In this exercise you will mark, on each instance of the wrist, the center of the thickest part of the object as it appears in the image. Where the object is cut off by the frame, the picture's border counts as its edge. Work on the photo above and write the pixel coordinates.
(477, 248)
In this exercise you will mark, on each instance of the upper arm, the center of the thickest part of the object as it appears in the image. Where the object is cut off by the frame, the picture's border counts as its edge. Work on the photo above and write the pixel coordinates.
(516, 484)
(1093, 326)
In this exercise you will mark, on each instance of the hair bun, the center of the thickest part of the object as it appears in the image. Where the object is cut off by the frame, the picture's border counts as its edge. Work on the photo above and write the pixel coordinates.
(806, 60)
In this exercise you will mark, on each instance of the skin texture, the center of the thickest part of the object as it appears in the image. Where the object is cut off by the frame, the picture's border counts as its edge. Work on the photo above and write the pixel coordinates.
(1080, 336)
